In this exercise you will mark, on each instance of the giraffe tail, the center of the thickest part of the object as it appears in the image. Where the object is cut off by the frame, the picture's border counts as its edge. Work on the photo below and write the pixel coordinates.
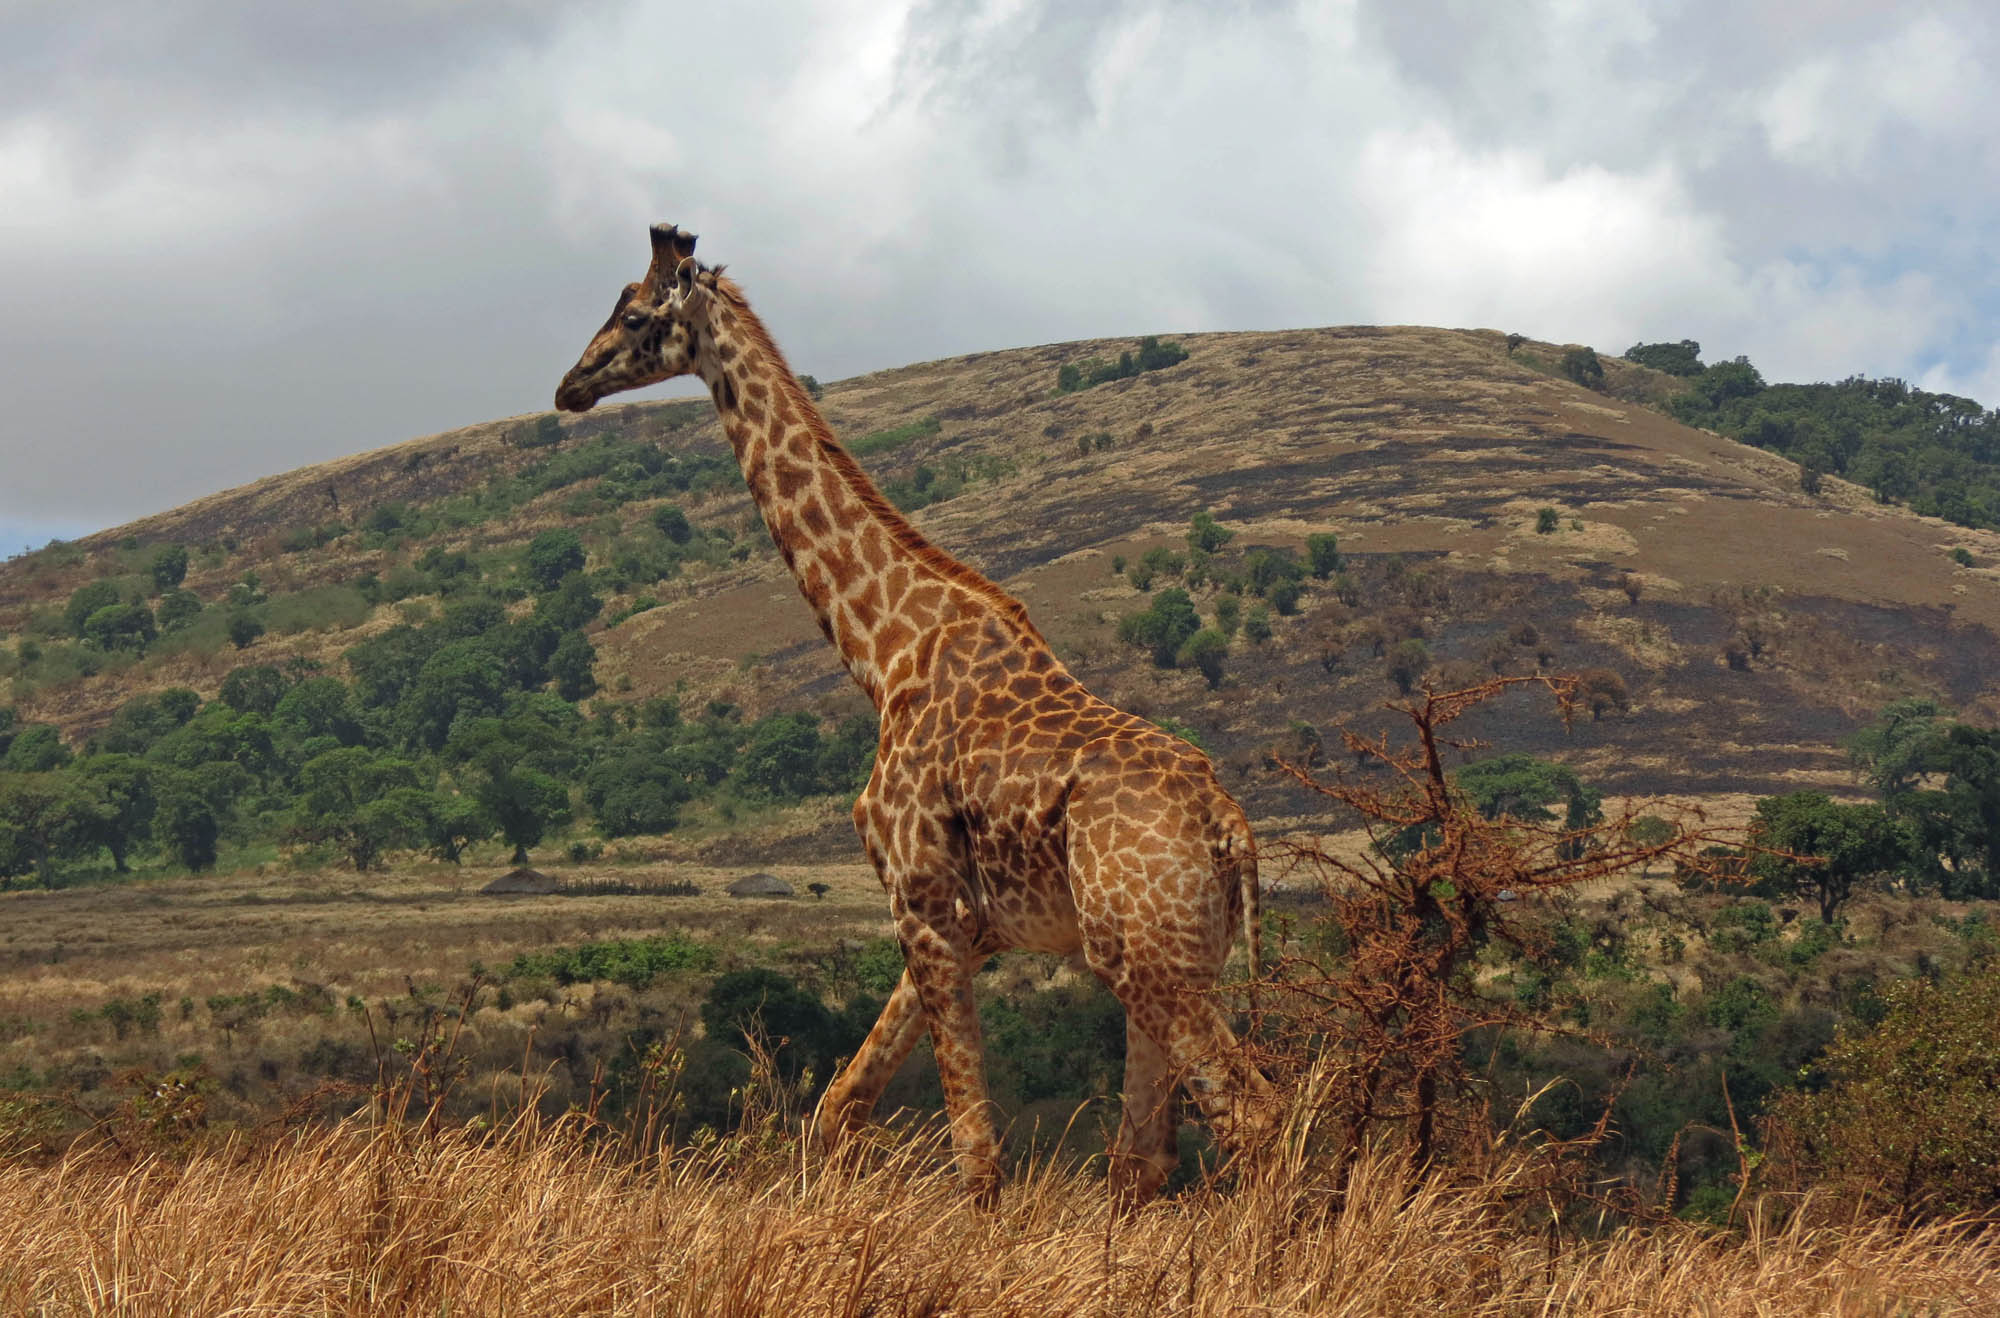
(1237, 852)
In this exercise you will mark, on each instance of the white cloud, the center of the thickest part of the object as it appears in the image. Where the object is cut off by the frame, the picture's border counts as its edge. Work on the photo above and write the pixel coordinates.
(1836, 111)
(377, 228)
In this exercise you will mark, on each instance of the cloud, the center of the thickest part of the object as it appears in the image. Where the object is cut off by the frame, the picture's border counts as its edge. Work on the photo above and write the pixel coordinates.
(240, 237)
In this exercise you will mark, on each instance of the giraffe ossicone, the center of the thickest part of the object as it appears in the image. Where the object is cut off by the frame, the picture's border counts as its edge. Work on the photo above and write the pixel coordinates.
(1009, 807)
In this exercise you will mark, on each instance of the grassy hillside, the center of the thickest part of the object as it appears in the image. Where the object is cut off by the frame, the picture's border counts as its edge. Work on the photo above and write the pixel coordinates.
(1751, 626)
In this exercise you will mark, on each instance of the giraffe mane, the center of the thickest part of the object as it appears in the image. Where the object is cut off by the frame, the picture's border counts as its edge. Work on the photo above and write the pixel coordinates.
(851, 473)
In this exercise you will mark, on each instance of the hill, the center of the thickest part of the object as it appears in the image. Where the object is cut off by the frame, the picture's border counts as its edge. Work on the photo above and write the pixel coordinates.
(1751, 626)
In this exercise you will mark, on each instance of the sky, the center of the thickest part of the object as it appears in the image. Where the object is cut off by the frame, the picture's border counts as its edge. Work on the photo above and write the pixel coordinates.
(239, 237)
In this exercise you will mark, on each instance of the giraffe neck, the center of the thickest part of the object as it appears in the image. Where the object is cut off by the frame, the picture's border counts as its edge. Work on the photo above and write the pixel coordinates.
(875, 584)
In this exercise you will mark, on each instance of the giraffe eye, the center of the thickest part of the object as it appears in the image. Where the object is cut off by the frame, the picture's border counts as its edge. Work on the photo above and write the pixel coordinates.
(635, 320)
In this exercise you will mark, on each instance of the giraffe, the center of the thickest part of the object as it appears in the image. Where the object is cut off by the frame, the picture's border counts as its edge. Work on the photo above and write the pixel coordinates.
(1008, 807)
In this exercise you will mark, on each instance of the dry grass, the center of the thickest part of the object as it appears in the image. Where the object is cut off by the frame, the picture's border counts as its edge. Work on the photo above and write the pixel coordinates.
(542, 1220)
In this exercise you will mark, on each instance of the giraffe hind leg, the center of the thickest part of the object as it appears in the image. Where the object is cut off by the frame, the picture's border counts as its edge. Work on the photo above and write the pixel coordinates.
(851, 1098)
(1143, 1155)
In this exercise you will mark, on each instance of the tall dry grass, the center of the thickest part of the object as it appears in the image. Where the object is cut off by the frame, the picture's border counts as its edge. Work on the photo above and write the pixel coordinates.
(544, 1219)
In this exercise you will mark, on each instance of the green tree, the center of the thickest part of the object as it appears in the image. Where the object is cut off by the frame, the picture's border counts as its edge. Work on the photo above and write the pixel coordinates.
(35, 748)
(456, 822)
(462, 680)
(1323, 554)
(362, 801)
(120, 627)
(1805, 843)
(254, 689)
(1228, 615)
(244, 628)
(86, 600)
(525, 804)
(1519, 786)
(121, 789)
(553, 555)
(1284, 597)
(1901, 745)
(1546, 520)
(1205, 535)
(1683, 358)
(573, 667)
(784, 1017)
(185, 820)
(1205, 651)
(177, 609)
(781, 759)
(44, 817)
(317, 707)
(141, 721)
(1257, 625)
(570, 607)
(169, 567)
(673, 523)
(1582, 366)
(1907, 1113)
(1163, 627)
(1268, 567)
(1407, 661)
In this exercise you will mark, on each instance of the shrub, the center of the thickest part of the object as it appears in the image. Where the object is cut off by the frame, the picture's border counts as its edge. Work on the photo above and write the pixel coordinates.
(177, 609)
(633, 962)
(1908, 1113)
(673, 523)
(87, 600)
(1164, 627)
(169, 567)
(1582, 366)
(1603, 690)
(244, 629)
(784, 1017)
(553, 555)
(1962, 556)
(1205, 535)
(1406, 662)
(1228, 614)
(1546, 521)
(1683, 358)
(1323, 554)
(1257, 625)
(120, 627)
(1205, 652)
(884, 441)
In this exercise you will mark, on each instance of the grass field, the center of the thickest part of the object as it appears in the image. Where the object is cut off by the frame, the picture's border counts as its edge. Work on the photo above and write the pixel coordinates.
(544, 1220)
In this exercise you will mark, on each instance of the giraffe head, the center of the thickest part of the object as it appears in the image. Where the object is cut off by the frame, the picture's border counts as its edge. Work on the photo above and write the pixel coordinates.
(655, 331)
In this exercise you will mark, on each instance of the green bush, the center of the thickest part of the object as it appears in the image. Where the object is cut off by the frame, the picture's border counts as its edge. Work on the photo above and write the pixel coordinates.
(632, 962)
(1582, 366)
(884, 441)
(1907, 1114)
(1163, 627)
(553, 555)
(1205, 652)
(1546, 521)
(1683, 358)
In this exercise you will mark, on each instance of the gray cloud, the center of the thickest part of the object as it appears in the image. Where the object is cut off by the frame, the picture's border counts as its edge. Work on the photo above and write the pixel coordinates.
(245, 236)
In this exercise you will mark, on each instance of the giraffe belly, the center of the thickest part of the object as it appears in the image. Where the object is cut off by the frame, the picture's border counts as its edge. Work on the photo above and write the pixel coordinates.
(1033, 917)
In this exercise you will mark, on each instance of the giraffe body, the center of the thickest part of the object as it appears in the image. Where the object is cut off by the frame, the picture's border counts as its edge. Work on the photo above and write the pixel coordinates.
(1008, 807)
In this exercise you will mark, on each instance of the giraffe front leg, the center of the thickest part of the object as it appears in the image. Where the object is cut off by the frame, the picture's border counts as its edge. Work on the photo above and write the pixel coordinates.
(939, 957)
(848, 1101)
(1143, 1155)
